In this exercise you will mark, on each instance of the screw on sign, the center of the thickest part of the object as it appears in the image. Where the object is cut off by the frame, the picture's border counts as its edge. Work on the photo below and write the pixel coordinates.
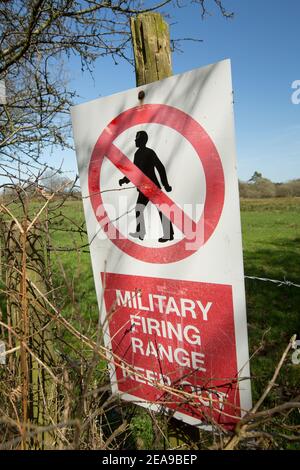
(173, 315)
(208, 156)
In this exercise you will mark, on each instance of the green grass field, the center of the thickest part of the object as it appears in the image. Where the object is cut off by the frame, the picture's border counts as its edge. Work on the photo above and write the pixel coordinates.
(271, 235)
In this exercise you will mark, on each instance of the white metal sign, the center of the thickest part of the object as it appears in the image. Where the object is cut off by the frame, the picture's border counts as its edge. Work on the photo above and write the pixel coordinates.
(160, 189)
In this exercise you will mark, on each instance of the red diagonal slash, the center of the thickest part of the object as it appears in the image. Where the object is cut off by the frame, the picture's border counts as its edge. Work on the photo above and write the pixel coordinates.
(165, 204)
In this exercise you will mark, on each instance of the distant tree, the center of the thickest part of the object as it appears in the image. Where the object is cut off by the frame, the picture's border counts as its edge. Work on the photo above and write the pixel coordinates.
(257, 187)
(255, 177)
(247, 190)
(295, 187)
(53, 181)
(283, 190)
(265, 188)
(289, 189)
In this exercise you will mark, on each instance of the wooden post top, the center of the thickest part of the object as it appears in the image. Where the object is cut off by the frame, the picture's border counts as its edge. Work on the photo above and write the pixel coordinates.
(151, 47)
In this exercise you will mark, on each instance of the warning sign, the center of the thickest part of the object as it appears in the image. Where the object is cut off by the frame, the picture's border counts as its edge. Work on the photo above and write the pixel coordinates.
(161, 202)
(165, 338)
(142, 174)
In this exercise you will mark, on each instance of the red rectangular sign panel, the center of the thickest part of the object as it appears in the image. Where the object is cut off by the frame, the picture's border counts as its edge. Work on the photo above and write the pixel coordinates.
(173, 344)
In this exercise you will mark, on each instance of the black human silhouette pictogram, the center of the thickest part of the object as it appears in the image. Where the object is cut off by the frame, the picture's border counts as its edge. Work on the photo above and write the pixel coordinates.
(147, 161)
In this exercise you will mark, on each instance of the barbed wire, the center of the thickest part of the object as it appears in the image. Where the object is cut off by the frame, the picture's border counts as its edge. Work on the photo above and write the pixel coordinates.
(284, 282)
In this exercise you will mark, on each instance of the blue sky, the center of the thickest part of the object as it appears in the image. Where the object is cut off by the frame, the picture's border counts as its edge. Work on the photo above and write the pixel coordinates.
(263, 44)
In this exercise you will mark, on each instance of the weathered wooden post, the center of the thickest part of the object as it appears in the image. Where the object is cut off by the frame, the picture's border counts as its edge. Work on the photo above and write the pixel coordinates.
(151, 47)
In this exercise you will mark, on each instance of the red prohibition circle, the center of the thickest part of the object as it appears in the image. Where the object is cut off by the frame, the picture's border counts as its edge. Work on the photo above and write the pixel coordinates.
(208, 155)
